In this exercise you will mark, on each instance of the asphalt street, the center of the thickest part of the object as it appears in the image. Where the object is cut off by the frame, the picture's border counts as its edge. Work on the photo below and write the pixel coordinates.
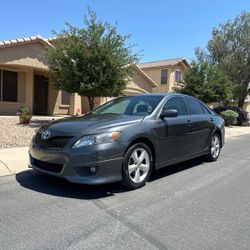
(193, 205)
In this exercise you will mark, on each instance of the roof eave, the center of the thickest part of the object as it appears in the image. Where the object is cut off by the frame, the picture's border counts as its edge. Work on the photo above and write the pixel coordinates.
(26, 40)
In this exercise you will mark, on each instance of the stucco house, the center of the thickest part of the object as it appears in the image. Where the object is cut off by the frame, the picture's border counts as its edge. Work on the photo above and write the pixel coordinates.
(25, 79)
(167, 74)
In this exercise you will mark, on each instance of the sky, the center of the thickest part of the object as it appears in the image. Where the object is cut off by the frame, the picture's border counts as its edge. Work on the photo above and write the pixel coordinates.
(161, 29)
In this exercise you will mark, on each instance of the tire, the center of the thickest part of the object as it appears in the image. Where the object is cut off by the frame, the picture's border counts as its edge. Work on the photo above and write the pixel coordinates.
(214, 148)
(137, 166)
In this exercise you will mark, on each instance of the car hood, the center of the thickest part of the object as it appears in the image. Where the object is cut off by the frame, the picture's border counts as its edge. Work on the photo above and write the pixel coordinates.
(89, 124)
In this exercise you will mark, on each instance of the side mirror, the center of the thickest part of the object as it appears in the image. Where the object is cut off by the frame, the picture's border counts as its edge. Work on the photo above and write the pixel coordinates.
(169, 113)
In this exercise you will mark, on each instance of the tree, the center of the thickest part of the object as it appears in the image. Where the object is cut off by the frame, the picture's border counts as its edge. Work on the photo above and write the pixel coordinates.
(206, 82)
(92, 61)
(229, 48)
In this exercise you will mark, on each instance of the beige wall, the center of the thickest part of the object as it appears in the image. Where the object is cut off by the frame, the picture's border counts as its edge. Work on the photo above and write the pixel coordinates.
(28, 59)
(155, 74)
(172, 82)
(139, 83)
(75, 104)
(54, 101)
(30, 55)
(25, 91)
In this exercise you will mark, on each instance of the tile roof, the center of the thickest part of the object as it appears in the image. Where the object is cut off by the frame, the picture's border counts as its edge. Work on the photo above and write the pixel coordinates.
(36, 38)
(163, 63)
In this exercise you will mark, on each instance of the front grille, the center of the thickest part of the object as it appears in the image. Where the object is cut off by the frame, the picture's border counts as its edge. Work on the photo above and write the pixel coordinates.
(53, 142)
(52, 167)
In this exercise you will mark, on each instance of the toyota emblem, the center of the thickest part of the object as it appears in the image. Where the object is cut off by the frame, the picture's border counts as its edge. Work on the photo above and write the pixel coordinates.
(45, 134)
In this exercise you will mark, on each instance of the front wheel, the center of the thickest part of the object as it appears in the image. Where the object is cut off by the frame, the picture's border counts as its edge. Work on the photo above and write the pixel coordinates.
(137, 166)
(214, 149)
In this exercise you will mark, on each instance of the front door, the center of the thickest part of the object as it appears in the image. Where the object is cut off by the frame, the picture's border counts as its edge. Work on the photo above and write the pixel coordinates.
(176, 141)
(40, 95)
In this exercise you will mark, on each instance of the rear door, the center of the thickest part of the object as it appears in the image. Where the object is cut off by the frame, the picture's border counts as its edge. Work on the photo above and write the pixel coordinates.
(201, 125)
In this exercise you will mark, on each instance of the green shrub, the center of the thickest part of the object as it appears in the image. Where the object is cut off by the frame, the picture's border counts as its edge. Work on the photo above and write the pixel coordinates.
(229, 116)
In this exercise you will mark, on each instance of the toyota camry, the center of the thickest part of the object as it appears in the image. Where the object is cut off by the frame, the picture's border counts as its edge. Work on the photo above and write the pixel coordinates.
(126, 138)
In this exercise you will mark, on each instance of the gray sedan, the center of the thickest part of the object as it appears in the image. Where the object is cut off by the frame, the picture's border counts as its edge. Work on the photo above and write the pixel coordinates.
(126, 138)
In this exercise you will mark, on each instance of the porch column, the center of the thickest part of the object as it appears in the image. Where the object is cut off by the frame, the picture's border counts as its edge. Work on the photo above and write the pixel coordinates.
(75, 104)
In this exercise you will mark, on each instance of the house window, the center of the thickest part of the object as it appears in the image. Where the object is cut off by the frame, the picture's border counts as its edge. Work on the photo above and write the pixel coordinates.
(65, 98)
(164, 76)
(178, 76)
(8, 86)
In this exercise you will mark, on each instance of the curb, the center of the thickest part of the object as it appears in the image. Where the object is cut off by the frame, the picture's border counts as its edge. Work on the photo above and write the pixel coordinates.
(13, 160)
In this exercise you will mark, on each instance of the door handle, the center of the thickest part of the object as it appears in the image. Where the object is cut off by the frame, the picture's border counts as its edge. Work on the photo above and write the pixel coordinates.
(211, 119)
(189, 123)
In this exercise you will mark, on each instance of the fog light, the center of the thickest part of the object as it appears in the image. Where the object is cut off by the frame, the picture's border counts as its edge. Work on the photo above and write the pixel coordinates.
(93, 170)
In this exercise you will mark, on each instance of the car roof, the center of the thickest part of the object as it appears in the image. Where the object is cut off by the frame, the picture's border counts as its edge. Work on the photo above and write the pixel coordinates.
(162, 94)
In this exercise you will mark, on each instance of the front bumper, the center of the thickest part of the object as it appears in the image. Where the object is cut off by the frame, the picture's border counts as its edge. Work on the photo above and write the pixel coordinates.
(74, 165)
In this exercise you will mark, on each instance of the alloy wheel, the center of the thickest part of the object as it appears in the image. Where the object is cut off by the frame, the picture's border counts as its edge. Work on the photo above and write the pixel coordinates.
(215, 147)
(138, 165)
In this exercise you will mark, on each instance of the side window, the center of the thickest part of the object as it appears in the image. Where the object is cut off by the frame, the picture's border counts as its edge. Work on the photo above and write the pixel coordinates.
(164, 76)
(178, 76)
(9, 86)
(178, 104)
(194, 107)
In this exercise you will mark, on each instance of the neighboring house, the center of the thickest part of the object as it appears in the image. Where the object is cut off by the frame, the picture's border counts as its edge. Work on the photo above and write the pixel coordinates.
(25, 80)
(167, 74)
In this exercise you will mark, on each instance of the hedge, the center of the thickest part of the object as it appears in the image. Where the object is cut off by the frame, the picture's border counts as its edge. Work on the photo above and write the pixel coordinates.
(229, 116)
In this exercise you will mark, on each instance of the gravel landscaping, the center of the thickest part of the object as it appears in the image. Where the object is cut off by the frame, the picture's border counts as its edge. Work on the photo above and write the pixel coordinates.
(13, 134)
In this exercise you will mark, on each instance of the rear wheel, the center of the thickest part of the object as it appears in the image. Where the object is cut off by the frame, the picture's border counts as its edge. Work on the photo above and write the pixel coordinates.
(214, 149)
(137, 166)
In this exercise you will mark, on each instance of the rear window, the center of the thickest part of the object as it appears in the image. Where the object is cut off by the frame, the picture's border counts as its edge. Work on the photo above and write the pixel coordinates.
(194, 106)
(205, 109)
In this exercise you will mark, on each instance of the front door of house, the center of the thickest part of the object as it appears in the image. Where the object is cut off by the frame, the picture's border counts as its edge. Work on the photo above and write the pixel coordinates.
(40, 95)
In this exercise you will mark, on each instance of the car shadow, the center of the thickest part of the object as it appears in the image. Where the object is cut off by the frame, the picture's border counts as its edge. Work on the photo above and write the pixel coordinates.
(173, 169)
(59, 187)
(50, 185)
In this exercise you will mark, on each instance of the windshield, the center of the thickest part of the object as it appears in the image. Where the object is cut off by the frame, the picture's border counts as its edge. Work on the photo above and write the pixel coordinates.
(130, 105)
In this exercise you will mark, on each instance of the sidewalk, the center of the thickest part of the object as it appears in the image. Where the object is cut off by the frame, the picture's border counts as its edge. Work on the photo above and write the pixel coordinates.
(13, 160)
(235, 131)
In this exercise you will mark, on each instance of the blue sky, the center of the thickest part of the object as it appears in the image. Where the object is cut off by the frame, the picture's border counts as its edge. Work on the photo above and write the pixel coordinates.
(162, 29)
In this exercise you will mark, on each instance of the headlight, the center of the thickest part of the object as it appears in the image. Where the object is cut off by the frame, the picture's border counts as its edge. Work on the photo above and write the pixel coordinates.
(96, 139)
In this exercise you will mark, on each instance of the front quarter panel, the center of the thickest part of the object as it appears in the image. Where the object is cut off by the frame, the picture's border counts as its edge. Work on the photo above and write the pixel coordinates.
(219, 126)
